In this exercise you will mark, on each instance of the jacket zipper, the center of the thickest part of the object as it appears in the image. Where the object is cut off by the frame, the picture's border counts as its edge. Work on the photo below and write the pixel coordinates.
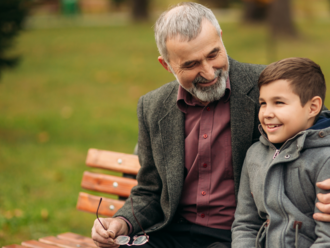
(277, 151)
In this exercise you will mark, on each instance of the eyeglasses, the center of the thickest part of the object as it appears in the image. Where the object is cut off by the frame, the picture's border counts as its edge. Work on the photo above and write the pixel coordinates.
(123, 239)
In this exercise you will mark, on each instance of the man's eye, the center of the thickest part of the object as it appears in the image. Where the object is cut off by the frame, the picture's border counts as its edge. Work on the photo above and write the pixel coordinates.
(213, 55)
(189, 66)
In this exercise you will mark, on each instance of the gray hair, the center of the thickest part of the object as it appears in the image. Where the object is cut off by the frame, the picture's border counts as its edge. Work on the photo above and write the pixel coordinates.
(183, 20)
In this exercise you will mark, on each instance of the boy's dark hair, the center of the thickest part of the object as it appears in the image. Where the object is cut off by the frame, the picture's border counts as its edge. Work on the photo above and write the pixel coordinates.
(304, 76)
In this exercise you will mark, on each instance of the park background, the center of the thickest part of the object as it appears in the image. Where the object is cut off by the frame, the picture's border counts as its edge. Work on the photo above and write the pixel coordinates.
(81, 71)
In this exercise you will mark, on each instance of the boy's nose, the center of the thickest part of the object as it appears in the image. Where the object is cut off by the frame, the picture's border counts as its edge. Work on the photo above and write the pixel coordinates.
(268, 113)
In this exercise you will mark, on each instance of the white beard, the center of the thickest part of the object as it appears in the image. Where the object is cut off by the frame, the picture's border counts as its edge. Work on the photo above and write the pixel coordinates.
(208, 93)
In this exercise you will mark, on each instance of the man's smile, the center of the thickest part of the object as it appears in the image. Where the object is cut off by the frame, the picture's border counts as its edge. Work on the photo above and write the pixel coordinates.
(205, 84)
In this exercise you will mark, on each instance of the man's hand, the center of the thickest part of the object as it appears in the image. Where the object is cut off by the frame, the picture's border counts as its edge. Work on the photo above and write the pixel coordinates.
(324, 204)
(105, 238)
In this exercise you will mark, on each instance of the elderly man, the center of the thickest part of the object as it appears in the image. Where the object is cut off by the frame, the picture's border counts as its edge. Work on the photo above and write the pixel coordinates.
(193, 136)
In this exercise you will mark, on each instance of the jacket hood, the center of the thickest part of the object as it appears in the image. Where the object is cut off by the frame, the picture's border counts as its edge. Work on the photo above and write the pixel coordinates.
(316, 136)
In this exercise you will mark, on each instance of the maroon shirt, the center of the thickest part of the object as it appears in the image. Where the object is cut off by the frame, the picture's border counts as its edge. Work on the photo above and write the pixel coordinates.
(208, 196)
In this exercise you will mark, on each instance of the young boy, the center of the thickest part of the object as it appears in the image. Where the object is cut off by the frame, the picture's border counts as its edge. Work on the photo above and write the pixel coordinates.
(277, 195)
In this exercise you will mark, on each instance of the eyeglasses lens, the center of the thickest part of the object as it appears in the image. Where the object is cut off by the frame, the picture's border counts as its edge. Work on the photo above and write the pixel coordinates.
(140, 240)
(122, 240)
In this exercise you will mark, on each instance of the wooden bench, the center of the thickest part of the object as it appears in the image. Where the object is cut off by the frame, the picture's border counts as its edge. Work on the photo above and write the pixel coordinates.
(126, 167)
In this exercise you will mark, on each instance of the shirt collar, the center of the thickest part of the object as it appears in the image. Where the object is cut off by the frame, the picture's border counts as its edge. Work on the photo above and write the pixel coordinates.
(185, 99)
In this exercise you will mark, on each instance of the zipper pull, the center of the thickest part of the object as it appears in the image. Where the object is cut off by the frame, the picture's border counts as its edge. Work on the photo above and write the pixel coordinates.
(276, 153)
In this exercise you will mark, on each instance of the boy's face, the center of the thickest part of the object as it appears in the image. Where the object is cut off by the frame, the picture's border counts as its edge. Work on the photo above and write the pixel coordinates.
(281, 114)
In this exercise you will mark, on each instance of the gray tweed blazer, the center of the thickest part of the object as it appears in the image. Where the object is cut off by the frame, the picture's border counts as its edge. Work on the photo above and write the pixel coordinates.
(161, 145)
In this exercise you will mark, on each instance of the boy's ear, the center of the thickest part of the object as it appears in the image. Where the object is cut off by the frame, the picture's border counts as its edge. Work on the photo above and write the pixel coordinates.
(315, 106)
(164, 64)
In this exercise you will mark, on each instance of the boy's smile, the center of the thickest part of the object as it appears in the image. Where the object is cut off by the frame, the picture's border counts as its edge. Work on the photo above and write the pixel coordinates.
(281, 114)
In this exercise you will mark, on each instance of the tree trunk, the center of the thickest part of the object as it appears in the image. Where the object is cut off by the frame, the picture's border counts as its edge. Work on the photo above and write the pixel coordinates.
(140, 10)
(222, 4)
(280, 19)
(255, 11)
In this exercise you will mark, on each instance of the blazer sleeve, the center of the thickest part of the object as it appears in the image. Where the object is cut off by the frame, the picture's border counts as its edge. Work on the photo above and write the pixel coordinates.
(146, 195)
(247, 221)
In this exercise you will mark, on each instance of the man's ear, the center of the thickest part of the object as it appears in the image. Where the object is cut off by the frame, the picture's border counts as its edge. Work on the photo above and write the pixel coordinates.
(315, 106)
(164, 64)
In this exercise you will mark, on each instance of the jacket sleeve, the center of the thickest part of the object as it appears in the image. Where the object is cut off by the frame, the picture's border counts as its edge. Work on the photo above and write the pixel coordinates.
(146, 195)
(322, 229)
(247, 221)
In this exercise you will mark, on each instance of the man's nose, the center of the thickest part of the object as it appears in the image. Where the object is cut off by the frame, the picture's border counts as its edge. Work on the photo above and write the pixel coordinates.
(207, 71)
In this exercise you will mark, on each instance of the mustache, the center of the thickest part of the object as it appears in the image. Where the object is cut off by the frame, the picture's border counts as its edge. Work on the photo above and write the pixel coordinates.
(201, 79)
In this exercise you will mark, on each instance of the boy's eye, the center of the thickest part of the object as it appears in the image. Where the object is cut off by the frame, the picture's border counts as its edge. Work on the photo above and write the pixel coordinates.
(262, 103)
(278, 102)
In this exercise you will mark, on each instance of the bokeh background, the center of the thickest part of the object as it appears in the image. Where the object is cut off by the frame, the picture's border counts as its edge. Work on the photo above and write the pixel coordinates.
(72, 71)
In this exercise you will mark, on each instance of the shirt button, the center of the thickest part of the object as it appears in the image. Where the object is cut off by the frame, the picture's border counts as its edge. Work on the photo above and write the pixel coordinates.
(203, 193)
(208, 108)
(204, 165)
(203, 215)
(204, 136)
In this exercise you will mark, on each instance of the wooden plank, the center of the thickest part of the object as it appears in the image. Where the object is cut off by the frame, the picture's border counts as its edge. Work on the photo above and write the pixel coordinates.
(115, 161)
(37, 244)
(14, 246)
(108, 184)
(76, 238)
(89, 203)
(63, 243)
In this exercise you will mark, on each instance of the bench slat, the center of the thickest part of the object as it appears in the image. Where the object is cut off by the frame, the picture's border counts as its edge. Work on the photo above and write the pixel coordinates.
(62, 243)
(14, 246)
(115, 161)
(89, 203)
(37, 244)
(108, 184)
(76, 238)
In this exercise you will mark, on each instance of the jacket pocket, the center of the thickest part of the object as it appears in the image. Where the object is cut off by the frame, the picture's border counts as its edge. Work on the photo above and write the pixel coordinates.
(295, 191)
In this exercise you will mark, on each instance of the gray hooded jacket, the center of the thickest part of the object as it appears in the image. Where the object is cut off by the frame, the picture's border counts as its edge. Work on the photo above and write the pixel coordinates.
(277, 194)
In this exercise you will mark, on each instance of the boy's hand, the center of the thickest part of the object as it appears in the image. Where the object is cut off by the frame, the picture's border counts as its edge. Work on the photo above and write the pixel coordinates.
(324, 204)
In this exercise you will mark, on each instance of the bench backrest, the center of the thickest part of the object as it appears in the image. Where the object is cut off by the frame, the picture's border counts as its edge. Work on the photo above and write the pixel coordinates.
(124, 166)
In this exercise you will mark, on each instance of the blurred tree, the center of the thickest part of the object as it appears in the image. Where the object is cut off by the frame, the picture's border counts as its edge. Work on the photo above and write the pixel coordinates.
(215, 3)
(117, 3)
(140, 10)
(280, 19)
(255, 10)
(12, 15)
(276, 12)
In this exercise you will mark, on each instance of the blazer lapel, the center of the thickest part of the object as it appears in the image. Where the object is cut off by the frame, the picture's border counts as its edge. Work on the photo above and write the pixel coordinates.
(171, 127)
(242, 114)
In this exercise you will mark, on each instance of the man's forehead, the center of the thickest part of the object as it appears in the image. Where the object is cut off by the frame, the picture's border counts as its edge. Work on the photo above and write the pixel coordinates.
(189, 50)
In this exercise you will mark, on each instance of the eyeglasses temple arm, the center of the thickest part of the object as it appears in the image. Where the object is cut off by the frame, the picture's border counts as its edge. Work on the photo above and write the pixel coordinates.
(97, 216)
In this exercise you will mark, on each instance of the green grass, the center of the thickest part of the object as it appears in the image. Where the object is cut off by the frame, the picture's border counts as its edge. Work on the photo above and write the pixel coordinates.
(78, 88)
